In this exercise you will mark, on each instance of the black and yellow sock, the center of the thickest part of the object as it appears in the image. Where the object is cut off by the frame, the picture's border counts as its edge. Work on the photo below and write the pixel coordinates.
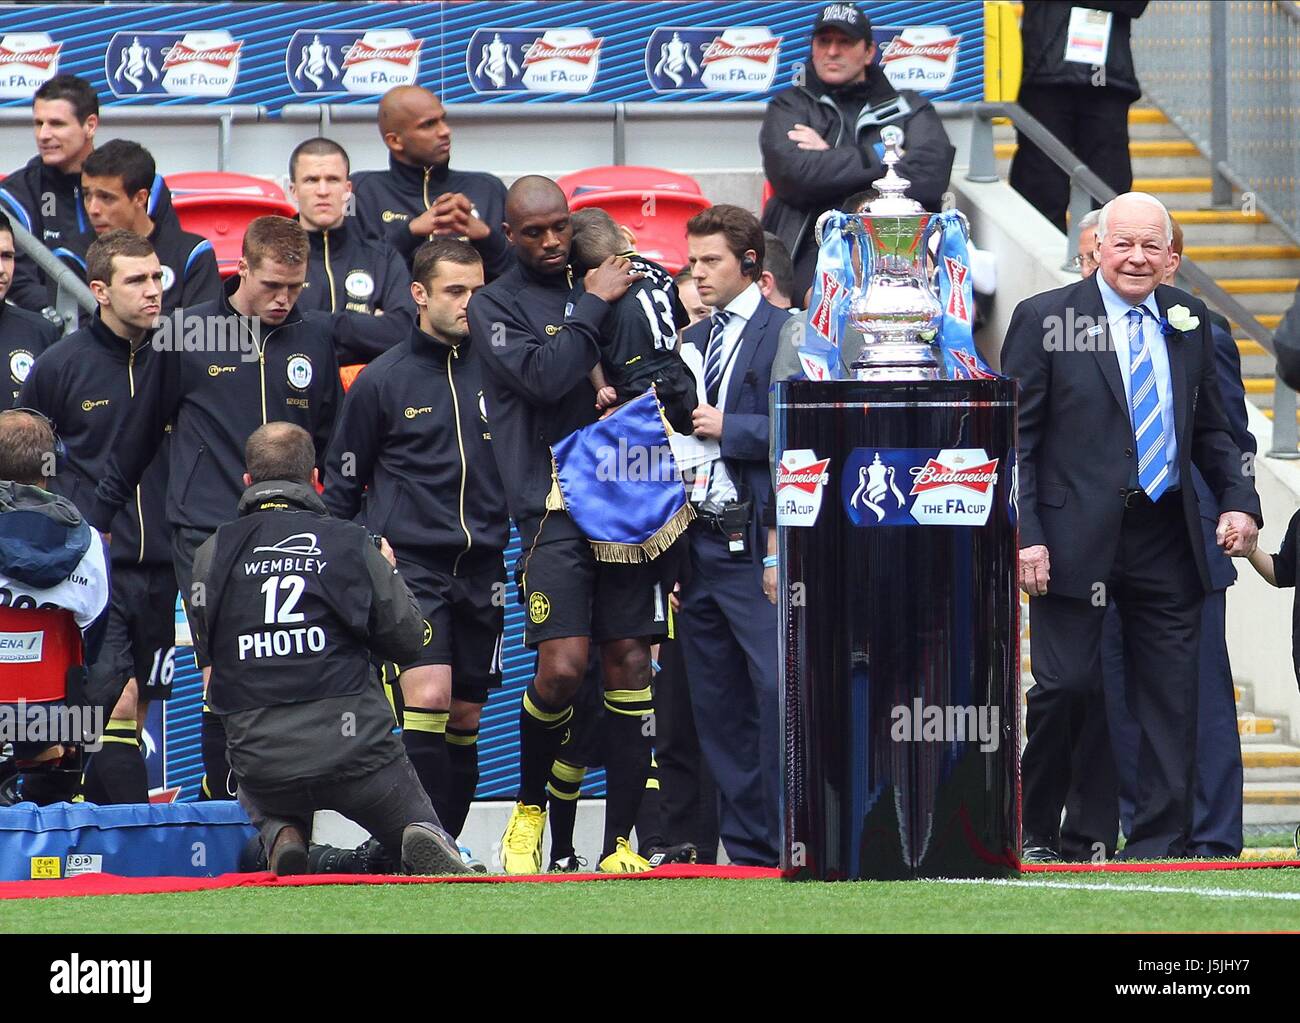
(116, 772)
(541, 730)
(462, 761)
(563, 789)
(648, 834)
(628, 725)
(424, 734)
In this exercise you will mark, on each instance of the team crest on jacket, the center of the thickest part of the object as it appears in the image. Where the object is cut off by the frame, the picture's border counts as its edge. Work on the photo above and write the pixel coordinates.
(20, 364)
(359, 284)
(169, 277)
(299, 372)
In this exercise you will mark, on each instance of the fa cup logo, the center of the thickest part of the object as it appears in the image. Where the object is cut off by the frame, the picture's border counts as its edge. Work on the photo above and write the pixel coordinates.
(872, 487)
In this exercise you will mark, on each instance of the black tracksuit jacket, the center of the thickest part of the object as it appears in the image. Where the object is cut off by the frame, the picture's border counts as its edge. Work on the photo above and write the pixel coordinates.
(217, 399)
(536, 361)
(351, 277)
(48, 203)
(414, 426)
(388, 200)
(23, 336)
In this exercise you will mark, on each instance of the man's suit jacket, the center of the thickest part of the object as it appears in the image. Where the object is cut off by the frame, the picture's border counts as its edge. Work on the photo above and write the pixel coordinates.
(745, 424)
(1227, 360)
(1076, 448)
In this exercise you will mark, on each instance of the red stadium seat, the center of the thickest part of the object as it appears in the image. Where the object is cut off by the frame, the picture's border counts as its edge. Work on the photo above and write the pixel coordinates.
(207, 182)
(620, 178)
(223, 218)
(657, 219)
(768, 192)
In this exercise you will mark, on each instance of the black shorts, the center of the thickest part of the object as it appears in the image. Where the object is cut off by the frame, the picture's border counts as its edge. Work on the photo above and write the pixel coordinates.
(140, 637)
(464, 625)
(566, 592)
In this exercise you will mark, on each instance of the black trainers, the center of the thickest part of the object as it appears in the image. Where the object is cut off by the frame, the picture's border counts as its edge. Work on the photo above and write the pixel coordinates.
(427, 849)
(658, 855)
(571, 864)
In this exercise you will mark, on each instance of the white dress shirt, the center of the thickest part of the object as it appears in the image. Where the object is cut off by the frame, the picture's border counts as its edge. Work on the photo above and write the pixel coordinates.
(741, 309)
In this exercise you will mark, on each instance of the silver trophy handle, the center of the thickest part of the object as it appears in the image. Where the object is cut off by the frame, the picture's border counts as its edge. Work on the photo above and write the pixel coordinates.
(821, 221)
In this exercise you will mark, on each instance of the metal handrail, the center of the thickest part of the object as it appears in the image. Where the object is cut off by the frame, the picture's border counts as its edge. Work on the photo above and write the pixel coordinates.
(1085, 186)
(71, 293)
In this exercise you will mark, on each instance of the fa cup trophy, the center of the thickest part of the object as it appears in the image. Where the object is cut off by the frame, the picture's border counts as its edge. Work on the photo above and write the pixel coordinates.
(896, 514)
(893, 303)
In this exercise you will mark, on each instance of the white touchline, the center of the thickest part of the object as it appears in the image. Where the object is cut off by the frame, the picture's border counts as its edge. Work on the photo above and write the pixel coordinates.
(1159, 889)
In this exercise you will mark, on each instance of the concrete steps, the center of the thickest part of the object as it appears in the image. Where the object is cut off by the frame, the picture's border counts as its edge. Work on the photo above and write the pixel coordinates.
(1250, 258)
(1271, 793)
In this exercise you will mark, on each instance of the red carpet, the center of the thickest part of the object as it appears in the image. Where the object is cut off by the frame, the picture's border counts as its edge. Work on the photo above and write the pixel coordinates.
(110, 884)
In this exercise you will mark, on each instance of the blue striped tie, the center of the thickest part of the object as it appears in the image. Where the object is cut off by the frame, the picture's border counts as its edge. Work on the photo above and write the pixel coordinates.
(1144, 404)
(713, 360)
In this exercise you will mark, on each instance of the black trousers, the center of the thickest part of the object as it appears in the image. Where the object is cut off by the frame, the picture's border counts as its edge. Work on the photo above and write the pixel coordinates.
(1157, 590)
(383, 802)
(1093, 124)
(730, 647)
(688, 798)
(1110, 733)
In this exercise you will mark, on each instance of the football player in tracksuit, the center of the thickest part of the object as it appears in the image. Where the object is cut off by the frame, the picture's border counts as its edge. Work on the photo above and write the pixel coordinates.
(115, 182)
(224, 368)
(414, 431)
(45, 194)
(23, 334)
(363, 283)
(85, 384)
(420, 196)
(537, 361)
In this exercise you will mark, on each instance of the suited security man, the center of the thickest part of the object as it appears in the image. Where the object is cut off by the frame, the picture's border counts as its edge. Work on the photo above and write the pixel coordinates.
(1102, 786)
(728, 604)
(1118, 399)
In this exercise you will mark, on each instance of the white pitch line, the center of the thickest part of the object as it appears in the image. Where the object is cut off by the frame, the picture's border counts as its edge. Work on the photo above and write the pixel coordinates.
(1158, 889)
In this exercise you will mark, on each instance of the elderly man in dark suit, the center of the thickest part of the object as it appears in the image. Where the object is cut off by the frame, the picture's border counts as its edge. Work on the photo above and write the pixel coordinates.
(728, 602)
(1118, 401)
(1102, 785)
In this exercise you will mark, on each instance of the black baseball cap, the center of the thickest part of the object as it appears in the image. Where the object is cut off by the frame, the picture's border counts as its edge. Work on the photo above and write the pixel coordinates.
(845, 17)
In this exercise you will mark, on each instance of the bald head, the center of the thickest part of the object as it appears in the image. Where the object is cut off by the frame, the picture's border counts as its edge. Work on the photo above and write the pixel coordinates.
(413, 123)
(280, 451)
(533, 194)
(537, 223)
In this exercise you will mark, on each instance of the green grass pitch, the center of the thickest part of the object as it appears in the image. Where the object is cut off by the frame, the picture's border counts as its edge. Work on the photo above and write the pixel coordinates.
(1241, 900)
